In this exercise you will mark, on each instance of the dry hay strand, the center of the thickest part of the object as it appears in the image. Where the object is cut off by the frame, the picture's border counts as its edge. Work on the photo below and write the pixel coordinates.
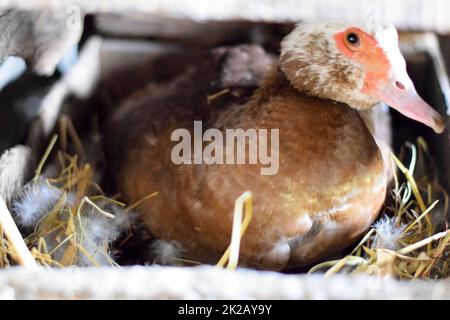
(243, 213)
(423, 250)
(15, 247)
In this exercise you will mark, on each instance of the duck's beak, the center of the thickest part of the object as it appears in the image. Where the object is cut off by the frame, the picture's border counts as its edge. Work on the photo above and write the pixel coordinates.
(403, 97)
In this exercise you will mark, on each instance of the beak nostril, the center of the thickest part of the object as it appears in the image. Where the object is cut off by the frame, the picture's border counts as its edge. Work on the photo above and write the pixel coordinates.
(399, 85)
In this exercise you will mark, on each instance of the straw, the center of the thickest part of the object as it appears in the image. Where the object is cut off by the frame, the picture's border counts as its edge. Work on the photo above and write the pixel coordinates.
(7, 224)
(242, 204)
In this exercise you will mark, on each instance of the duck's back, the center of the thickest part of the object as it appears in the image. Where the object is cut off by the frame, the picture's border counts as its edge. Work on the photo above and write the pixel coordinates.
(328, 188)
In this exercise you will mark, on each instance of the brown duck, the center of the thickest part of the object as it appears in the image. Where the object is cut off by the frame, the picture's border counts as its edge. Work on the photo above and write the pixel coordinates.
(330, 183)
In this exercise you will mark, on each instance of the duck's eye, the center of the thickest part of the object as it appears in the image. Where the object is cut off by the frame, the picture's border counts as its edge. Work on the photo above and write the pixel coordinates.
(353, 39)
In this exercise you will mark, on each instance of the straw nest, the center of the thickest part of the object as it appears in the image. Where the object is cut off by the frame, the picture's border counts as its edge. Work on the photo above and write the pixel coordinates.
(63, 213)
(74, 223)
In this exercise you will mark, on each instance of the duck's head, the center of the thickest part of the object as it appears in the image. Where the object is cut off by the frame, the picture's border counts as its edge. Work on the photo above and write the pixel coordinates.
(353, 65)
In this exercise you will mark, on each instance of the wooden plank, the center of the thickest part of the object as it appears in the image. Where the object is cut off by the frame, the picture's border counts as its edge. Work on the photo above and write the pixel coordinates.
(405, 14)
(205, 282)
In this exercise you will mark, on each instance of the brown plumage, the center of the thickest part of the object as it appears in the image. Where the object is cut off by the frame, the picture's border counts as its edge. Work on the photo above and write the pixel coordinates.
(328, 190)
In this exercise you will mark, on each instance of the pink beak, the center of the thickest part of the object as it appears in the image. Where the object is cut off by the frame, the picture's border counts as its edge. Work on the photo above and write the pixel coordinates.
(403, 97)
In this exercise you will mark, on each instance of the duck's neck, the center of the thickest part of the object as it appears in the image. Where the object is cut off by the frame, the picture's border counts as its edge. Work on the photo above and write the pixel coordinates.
(276, 81)
(277, 84)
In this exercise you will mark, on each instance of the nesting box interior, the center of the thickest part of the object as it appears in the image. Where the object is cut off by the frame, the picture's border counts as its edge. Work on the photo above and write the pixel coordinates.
(61, 120)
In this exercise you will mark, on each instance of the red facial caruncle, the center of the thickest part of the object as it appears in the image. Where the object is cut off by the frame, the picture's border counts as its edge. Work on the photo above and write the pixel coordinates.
(385, 76)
